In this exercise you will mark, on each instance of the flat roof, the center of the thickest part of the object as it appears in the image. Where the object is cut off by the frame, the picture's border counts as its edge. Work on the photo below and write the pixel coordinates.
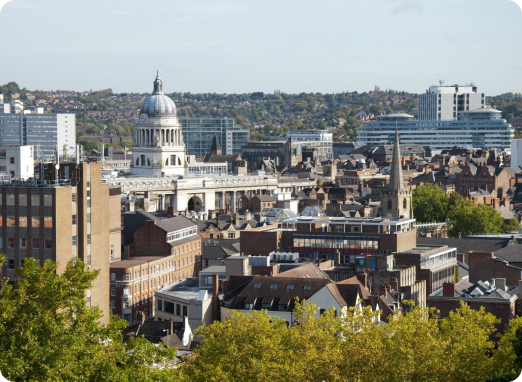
(214, 269)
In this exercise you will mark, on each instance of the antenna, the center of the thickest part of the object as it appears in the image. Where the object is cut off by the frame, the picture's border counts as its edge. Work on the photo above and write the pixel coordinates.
(441, 82)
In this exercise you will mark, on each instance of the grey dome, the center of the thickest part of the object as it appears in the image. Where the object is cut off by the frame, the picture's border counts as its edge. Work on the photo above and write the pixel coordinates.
(158, 104)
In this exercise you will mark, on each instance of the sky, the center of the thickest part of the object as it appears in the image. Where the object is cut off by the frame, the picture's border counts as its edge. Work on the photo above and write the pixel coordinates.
(243, 46)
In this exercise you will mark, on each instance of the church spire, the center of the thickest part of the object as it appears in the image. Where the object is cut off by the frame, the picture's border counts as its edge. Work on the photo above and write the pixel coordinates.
(396, 180)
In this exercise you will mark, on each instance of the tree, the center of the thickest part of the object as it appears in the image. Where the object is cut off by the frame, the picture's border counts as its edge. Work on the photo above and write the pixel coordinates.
(47, 331)
(430, 203)
(467, 219)
(513, 225)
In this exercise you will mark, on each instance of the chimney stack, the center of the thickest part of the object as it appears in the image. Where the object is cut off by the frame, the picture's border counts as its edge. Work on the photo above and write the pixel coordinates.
(337, 258)
(215, 298)
(448, 290)
(501, 284)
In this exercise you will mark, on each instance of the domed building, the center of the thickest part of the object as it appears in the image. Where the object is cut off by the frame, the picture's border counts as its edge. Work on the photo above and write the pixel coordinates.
(158, 148)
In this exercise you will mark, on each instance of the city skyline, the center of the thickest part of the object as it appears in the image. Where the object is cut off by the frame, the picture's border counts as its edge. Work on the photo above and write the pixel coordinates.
(233, 47)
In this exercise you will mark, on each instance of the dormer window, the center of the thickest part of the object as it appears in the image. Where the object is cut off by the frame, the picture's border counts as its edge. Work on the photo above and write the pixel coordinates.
(307, 287)
(273, 286)
(257, 286)
(289, 287)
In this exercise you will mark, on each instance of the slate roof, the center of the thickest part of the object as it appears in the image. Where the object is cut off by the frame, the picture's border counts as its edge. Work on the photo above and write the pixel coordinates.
(168, 224)
(511, 253)
(424, 178)
(309, 271)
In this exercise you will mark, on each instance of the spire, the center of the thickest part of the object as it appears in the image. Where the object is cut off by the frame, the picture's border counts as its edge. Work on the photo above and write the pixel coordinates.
(396, 181)
(215, 148)
(158, 84)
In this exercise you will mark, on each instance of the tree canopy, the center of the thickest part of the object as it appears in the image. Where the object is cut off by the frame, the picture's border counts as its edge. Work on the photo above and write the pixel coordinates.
(48, 333)
(431, 204)
(419, 346)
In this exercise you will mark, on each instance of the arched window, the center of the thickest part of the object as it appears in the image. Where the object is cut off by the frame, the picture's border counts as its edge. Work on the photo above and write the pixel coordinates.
(137, 161)
(389, 204)
(404, 204)
(167, 162)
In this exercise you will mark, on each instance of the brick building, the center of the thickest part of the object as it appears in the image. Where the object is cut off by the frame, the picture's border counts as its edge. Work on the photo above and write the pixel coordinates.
(163, 251)
(60, 217)
(487, 266)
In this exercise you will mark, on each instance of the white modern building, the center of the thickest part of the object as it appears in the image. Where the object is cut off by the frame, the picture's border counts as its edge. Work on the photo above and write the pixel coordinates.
(444, 103)
(48, 133)
(17, 162)
(516, 152)
(478, 128)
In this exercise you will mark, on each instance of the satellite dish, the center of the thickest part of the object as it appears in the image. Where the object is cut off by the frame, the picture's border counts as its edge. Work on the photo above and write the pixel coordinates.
(388, 215)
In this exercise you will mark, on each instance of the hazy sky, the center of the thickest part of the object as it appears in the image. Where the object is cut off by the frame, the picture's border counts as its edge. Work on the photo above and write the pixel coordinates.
(236, 46)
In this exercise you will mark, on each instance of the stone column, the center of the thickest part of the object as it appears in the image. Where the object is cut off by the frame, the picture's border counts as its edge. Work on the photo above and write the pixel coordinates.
(233, 201)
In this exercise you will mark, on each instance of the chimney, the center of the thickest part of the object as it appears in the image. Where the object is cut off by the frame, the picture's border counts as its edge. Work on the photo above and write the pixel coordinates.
(248, 216)
(257, 217)
(448, 290)
(171, 326)
(500, 284)
(215, 298)
(383, 291)
(394, 285)
(337, 258)
(236, 218)
(363, 278)
(210, 214)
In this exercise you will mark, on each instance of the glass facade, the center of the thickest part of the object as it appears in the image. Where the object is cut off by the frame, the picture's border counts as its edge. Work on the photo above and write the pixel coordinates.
(348, 245)
(198, 134)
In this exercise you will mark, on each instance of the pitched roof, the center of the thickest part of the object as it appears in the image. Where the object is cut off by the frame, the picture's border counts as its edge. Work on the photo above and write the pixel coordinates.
(215, 144)
(309, 271)
(511, 253)
(168, 224)
(396, 180)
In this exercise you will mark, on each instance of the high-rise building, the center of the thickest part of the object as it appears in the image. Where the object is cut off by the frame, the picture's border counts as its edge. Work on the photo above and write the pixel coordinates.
(198, 134)
(62, 217)
(48, 133)
(444, 103)
(516, 152)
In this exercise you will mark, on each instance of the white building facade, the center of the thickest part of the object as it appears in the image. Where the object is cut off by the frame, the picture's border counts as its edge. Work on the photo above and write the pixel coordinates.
(516, 152)
(443, 103)
(479, 128)
(158, 148)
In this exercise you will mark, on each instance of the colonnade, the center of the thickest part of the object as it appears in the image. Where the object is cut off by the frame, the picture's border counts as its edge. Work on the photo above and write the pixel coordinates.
(158, 137)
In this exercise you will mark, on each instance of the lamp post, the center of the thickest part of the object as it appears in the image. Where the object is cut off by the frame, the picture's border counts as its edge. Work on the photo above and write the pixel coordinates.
(166, 330)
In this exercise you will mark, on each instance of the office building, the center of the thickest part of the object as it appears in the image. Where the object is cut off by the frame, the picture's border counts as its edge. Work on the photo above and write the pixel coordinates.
(17, 162)
(479, 128)
(516, 152)
(444, 103)
(62, 217)
(48, 133)
(198, 134)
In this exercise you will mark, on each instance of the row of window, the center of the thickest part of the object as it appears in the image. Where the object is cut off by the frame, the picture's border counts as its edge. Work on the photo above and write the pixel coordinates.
(23, 243)
(22, 221)
(22, 200)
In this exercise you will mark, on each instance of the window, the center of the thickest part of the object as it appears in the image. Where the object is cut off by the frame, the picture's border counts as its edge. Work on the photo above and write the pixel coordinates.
(127, 276)
(113, 276)
(74, 240)
(88, 184)
(74, 197)
(184, 311)
(113, 303)
(48, 200)
(10, 264)
(22, 242)
(10, 242)
(9, 199)
(10, 221)
(88, 202)
(127, 304)
(208, 280)
(307, 287)
(88, 193)
(48, 244)
(22, 199)
(35, 221)
(48, 221)
(74, 219)
(22, 221)
(112, 252)
(113, 291)
(88, 239)
(126, 291)
(273, 286)
(290, 287)
(88, 218)
(11, 160)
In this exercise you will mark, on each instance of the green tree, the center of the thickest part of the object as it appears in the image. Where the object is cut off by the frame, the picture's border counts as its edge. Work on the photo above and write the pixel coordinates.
(467, 219)
(48, 333)
(430, 203)
(513, 225)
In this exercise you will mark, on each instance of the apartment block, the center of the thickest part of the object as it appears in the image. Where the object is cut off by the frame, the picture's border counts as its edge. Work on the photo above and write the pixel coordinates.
(60, 217)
